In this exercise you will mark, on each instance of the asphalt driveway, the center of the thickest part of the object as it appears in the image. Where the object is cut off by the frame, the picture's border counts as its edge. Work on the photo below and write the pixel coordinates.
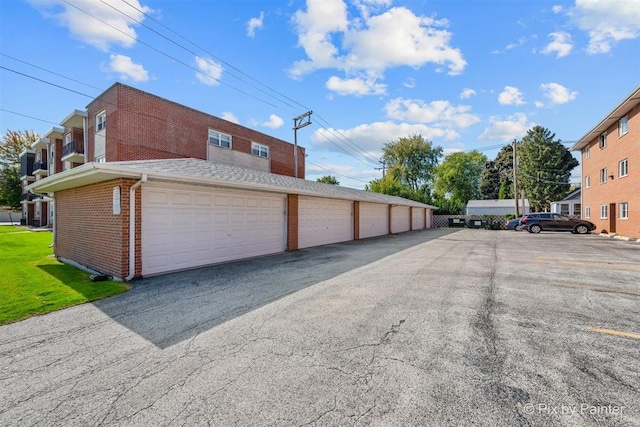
(437, 327)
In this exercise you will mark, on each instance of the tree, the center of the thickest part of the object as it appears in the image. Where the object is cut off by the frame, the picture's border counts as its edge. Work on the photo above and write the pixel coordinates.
(391, 186)
(411, 161)
(458, 177)
(545, 168)
(504, 164)
(490, 181)
(328, 179)
(13, 143)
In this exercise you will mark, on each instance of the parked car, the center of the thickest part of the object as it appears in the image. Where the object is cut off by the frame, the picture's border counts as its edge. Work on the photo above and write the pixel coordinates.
(537, 222)
(513, 224)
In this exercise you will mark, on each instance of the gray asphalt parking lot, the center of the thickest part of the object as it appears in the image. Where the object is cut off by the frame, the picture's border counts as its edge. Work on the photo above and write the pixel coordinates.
(438, 327)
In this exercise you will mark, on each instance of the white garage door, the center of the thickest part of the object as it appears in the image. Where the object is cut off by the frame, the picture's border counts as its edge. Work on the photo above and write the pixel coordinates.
(187, 226)
(374, 220)
(324, 221)
(417, 220)
(400, 219)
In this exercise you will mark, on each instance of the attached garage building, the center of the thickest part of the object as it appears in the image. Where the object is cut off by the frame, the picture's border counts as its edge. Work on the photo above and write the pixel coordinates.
(141, 218)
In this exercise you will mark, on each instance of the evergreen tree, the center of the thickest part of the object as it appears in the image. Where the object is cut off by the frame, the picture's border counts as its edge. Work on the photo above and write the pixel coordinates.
(490, 184)
(545, 168)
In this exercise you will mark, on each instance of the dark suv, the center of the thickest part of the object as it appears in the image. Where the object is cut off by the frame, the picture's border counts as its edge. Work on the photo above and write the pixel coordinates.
(537, 222)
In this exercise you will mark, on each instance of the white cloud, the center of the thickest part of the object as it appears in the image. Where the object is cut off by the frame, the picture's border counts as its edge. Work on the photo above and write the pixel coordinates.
(557, 9)
(512, 127)
(274, 122)
(409, 83)
(127, 69)
(210, 71)
(255, 24)
(356, 86)
(467, 93)
(521, 41)
(438, 113)
(91, 30)
(230, 117)
(372, 136)
(510, 96)
(607, 22)
(539, 104)
(557, 93)
(561, 44)
(370, 43)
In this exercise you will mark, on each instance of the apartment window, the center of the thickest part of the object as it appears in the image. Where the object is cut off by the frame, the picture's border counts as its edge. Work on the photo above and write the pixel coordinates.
(564, 208)
(624, 210)
(623, 126)
(576, 209)
(101, 121)
(623, 168)
(587, 152)
(603, 140)
(67, 138)
(604, 209)
(100, 159)
(603, 175)
(259, 150)
(219, 139)
(587, 181)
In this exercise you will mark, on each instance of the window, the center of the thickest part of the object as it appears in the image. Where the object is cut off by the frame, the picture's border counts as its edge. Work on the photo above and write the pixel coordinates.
(564, 208)
(587, 152)
(587, 181)
(101, 121)
(623, 126)
(603, 175)
(603, 140)
(100, 159)
(219, 139)
(576, 209)
(67, 138)
(259, 150)
(623, 168)
(624, 210)
(587, 211)
(604, 209)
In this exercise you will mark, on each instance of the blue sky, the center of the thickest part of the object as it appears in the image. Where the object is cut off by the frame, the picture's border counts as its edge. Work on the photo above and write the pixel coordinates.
(464, 74)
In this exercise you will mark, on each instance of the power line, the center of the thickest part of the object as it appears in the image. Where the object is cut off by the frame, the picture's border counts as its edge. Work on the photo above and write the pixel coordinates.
(29, 117)
(336, 173)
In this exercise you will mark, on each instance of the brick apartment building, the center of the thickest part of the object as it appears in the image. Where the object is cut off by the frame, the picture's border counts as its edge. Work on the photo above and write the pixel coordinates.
(139, 185)
(142, 126)
(611, 170)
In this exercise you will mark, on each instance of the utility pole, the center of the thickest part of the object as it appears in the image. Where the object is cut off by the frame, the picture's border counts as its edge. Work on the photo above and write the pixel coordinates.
(384, 167)
(298, 123)
(515, 177)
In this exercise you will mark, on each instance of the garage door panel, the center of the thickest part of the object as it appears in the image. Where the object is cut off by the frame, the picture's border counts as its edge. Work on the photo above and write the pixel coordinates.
(417, 218)
(187, 226)
(323, 221)
(374, 220)
(400, 221)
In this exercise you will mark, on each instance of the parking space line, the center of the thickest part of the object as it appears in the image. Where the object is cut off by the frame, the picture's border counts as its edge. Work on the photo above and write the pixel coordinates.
(614, 332)
(597, 288)
(590, 264)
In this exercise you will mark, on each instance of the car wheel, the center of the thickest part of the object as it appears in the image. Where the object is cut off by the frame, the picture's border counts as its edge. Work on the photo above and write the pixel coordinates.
(535, 228)
(582, 229)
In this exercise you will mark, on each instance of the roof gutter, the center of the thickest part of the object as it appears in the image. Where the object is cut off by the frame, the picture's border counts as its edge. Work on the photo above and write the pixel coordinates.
(132, 227)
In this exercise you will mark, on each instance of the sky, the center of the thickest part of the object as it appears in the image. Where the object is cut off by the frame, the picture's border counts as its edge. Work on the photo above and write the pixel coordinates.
(464, 74)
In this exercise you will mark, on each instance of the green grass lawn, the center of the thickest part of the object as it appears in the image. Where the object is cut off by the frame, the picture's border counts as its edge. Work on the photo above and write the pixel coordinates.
(33, 282)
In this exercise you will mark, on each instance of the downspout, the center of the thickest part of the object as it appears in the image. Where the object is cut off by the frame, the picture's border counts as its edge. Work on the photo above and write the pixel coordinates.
(85, 140)
(132, 227)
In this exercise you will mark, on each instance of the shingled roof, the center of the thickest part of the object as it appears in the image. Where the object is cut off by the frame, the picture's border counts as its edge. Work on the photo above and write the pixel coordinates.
(197, 171)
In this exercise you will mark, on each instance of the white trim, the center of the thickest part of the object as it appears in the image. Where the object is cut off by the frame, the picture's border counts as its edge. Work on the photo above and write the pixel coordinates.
(604, 209)
(626, 168)
(624, 119)
(211, 140)
(625, 211)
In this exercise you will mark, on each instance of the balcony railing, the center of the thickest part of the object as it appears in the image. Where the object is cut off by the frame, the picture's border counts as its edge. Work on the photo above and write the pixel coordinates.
(73, 147)
(27, 197)
(42, 165)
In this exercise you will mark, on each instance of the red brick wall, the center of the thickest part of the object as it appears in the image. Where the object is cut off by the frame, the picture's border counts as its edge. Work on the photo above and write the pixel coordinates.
(292, 222)
(142, 126)
(89, 233)
(618, 189)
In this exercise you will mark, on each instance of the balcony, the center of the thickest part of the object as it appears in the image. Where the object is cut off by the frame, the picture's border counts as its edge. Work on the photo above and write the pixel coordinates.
(27, 158)
(27, 197)
(40, 168)
(73, 152)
